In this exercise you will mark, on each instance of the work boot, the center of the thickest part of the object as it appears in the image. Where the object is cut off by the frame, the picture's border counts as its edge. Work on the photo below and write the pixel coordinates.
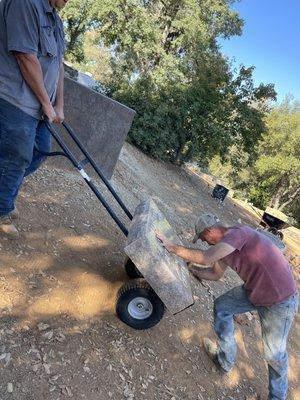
(7, 227)
(14, 214)
(212, 350)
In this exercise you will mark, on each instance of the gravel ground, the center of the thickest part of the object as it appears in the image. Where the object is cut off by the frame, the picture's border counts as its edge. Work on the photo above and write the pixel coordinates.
(60, 337)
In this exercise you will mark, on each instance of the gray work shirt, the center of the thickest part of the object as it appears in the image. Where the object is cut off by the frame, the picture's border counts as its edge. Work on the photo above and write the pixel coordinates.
(32, 27)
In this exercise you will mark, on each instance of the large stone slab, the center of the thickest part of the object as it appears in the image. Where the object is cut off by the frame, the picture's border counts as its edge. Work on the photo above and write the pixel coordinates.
(101, 123)
(166, 273)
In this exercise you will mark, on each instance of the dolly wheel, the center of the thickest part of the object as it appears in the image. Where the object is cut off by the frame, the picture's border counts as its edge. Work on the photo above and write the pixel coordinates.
(273, 230)
(131, 270)
(138, 306)
(280, 235)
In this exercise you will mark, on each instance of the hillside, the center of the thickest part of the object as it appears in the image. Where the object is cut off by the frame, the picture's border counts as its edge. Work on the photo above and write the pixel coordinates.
(59, 334)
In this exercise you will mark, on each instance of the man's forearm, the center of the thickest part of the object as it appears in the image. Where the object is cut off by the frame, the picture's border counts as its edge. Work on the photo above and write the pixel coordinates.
(191, 255)
(59, 99)
(204, 273)
(32, 73)
(213, 273)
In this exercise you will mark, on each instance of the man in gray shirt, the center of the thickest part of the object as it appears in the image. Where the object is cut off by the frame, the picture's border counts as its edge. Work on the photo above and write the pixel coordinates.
(31, 90)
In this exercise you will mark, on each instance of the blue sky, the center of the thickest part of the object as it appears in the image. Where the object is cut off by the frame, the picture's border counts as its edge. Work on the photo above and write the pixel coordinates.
(271, 42)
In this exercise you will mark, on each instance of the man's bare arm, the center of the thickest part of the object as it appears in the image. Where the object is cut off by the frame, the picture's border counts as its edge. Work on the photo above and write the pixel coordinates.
(213, 273)
(215, 253)
(32, 73)
(59, 100)
(203, 257)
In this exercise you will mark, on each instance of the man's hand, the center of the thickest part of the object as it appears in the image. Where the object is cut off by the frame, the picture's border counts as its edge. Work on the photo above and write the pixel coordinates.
(213, 273)
(167, 244)
(60, 116)
(53, 114)
(193, 269)
(49, 112)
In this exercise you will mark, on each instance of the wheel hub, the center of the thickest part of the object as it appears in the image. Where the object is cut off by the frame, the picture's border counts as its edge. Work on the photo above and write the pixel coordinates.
(140, 308)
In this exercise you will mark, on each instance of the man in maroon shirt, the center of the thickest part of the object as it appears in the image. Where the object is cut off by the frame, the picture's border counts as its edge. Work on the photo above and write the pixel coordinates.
(269, 288)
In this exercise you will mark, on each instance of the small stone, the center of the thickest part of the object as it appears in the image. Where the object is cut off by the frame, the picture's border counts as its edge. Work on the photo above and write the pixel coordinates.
(36, 367)
(26, 328)
(48, 335)
(122, 377)
(42, 326)
(10, 387)
(66, 391)
(47, 368)
(151, 352)
(7, 359)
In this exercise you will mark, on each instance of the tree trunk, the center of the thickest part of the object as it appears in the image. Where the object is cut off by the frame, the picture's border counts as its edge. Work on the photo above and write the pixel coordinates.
(291, 198)
(282, 190)
(179, 156)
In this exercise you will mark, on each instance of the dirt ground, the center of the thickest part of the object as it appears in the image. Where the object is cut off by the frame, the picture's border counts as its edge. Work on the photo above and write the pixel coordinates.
(60, 337)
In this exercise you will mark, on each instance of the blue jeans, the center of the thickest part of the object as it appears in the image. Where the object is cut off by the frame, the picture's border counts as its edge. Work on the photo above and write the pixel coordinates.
(276, 322)
(19, 132)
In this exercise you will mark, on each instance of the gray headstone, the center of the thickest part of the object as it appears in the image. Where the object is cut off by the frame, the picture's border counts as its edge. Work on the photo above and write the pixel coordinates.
(101, 124)
(166, 273)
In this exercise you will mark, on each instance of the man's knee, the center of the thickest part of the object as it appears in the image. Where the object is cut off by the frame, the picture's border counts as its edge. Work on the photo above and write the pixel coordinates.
(223, 300)
(275, 358)
(217, 303)
(220, 304)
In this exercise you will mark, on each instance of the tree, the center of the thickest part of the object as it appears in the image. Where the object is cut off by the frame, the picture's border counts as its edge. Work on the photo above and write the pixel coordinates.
(277, 170)
(167, 65)
(79, 16)
(234, 170)
(96, 59)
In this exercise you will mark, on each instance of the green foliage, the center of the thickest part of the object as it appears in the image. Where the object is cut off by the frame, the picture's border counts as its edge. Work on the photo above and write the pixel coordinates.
(161, 58)
(273, 178)
(79, 16)
(276, 174)
(233, 170)
(166, 65)
(96, 60)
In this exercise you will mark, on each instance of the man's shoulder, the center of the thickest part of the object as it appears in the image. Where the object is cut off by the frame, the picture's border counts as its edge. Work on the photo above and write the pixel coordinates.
(238, 229)
(238, 235)
(37, 4)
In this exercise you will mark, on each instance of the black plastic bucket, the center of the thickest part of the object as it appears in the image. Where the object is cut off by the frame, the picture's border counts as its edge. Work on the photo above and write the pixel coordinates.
(220, 192)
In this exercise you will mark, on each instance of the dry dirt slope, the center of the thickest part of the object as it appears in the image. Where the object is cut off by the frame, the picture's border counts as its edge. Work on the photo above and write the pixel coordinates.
(59, 335)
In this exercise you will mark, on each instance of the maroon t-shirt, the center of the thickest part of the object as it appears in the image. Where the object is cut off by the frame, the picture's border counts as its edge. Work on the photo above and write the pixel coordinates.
(261, 265)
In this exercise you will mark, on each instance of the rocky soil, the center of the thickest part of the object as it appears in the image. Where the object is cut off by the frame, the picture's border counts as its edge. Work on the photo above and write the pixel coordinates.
(59, 335)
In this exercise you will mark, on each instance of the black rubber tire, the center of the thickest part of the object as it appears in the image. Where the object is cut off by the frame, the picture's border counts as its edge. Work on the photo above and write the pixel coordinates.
(280, 235)
(273, 230)
(131, 270)
(134, 289)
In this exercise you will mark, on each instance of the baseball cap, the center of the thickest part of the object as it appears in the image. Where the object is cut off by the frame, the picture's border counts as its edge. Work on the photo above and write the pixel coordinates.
(206, 220)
